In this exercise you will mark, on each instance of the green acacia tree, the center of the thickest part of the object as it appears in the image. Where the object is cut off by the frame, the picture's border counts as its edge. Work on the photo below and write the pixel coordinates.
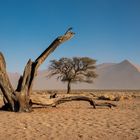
(71, 70)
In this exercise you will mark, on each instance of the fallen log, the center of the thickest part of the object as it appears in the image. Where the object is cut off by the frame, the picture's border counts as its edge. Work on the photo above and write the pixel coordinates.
(57, 101)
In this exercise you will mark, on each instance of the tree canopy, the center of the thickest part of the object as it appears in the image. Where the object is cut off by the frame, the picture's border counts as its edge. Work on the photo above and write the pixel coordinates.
(76, 69)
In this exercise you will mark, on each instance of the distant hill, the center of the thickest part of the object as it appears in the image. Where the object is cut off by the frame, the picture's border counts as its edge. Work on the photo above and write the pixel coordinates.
(123, 75)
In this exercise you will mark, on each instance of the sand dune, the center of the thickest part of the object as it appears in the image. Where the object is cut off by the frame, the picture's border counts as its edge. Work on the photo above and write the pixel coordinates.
(123, 75)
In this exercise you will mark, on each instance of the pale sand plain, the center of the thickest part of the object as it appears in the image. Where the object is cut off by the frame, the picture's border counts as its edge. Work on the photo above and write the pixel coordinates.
(74, 121)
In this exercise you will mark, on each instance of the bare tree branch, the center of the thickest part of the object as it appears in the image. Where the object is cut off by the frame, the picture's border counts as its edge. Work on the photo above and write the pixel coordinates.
(31, 68)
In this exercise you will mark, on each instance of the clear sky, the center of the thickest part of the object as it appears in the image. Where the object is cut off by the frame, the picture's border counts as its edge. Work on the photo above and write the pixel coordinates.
(107, 30)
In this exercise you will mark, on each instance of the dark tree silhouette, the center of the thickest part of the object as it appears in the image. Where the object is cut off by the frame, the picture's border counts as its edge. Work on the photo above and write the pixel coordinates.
(70, 70)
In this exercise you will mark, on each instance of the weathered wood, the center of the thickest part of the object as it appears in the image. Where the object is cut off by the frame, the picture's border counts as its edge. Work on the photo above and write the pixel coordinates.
(59, 40)
(19, 100)
(5, 85)
(60, 100)
(31, 68)
(26, 83)
(57, 101)
(25, 79)
(3, 73)
(73, 98)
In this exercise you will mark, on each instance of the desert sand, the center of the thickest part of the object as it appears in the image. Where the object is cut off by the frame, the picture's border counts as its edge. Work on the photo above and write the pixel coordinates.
(74, 121)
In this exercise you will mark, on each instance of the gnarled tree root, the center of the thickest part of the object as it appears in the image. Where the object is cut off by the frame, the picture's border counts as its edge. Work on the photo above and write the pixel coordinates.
(61, 100)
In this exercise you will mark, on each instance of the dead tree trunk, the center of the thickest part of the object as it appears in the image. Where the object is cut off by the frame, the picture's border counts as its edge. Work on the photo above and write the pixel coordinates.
(19, 99)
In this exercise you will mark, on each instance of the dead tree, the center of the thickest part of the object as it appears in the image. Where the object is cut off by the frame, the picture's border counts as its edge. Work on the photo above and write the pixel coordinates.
(19, 100)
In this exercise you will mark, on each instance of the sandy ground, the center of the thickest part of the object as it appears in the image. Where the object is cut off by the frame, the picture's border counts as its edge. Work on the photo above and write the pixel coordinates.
(74, 121)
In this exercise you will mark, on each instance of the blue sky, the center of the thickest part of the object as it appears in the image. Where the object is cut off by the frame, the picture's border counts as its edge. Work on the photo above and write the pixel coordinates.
(107, 30)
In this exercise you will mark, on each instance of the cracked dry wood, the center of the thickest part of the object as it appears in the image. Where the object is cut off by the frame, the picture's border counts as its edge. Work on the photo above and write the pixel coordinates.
(56, 101)
(19, 100)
